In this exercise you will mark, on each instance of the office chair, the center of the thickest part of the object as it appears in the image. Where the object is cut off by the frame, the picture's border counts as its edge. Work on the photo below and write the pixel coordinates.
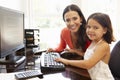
(114, 62)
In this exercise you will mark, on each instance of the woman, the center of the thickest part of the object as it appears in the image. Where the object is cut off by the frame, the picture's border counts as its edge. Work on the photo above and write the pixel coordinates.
(74, 35)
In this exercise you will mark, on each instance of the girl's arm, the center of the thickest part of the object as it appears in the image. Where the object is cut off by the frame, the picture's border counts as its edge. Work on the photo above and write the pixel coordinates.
(99, 54)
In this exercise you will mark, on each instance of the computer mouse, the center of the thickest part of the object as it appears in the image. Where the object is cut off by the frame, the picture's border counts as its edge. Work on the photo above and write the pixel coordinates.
(68, 55)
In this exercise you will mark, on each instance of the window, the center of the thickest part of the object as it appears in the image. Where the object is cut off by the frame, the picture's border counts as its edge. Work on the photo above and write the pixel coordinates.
(47, 16)
(111, 7)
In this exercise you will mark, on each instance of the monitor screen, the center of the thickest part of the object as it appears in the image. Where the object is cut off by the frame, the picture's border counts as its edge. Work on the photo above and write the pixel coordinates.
(11, 31)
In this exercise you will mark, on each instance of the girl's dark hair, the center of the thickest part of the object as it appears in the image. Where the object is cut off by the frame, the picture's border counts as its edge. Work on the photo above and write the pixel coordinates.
(81, 42)
(105, 22)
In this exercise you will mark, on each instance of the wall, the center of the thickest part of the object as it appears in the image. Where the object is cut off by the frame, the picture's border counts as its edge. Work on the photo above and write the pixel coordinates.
(111, 7)
(20, 5)
(86, 6)
(13, 4)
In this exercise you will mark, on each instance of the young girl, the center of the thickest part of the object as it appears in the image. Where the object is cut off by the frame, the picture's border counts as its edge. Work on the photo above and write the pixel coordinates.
(96, 58)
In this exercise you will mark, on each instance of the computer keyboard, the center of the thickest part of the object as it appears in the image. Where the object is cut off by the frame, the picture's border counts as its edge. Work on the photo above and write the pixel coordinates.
(49, 64)
(28, 74)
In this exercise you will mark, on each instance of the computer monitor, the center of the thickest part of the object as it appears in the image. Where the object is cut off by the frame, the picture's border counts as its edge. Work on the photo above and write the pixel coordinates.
(11, 31)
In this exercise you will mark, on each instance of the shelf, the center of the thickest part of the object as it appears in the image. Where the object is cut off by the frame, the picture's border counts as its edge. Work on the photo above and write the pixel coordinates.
(32, 37)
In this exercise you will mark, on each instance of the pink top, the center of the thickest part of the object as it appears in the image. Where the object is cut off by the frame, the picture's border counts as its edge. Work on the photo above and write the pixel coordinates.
(65, 39)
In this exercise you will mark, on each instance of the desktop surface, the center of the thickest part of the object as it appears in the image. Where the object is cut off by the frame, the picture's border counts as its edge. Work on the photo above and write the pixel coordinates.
(70, 73)
(66, 75)
(10, 76)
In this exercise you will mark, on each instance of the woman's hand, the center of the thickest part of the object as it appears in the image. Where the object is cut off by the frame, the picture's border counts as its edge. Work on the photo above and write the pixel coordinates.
(50, 50)
(70, 50)
(62, 60)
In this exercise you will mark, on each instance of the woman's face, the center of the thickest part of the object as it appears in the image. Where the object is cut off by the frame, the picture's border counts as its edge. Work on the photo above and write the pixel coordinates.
(72, 20)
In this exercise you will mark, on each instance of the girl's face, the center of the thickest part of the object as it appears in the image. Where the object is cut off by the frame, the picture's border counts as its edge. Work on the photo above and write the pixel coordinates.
(73, 21)
(94, 30)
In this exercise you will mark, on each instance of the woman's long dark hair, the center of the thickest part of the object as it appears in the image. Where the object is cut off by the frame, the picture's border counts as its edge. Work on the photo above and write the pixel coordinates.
(82, 38)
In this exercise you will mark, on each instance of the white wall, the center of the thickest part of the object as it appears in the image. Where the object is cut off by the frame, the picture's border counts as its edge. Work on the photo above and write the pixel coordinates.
(20, 5)
(111, 7)
(13, 4)
(87, 6)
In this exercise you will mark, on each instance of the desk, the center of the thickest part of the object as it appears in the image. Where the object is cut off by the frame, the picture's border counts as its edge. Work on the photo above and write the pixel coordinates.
(55, 76)
(70, 73)
(78, 73)
(58, 76)
(10, 76)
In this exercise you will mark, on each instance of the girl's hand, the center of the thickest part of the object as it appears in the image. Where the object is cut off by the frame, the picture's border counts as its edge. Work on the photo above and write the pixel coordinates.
(62, 60)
